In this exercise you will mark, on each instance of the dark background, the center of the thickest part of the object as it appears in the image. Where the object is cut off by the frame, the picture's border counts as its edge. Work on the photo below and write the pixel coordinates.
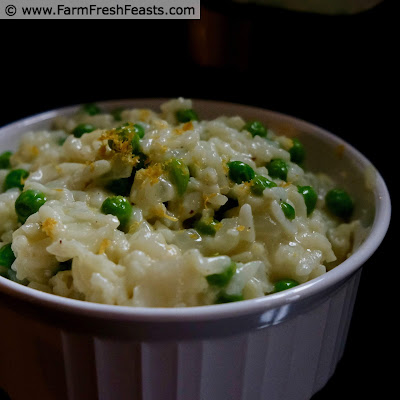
(337, 72)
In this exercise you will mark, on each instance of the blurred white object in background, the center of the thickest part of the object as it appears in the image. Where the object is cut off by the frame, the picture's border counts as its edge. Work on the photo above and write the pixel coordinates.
(318, 6)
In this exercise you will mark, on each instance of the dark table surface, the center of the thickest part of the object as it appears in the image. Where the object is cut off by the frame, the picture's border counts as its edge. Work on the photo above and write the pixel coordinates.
(337, 72)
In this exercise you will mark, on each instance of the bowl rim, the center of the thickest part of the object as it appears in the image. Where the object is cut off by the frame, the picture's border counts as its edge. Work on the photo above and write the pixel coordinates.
(229, 310)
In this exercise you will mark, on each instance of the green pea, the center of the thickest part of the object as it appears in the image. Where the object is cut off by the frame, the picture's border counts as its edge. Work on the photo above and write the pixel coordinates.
(129, 131)
(240, 172)
(228, 298)
(310, 197)
(81, 129)
(186, 115)
(284, 284)
(135, 142)
(231, 203)
(256, 128)
(5, 160)
(116, 113)
(339, 203)
(259, 183)
(28, 203)
(223, 277)
(206, 226)
(7, 257)
(288, 210)
(297, 152)
(124, 132)
(120, 207)
(278, 168)
(125, 129)
(91, 109)
(15, 179)
(179, 175)
(139, 129)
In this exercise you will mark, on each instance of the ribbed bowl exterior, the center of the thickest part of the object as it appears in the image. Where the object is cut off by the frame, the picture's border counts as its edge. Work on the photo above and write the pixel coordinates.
(291, 358)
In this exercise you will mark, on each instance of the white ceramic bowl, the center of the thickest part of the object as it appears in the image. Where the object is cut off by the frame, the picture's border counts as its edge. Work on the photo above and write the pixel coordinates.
(281, 347)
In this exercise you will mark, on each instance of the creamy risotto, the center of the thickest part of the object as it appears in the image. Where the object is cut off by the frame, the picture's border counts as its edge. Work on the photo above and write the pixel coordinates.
(160, 208)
